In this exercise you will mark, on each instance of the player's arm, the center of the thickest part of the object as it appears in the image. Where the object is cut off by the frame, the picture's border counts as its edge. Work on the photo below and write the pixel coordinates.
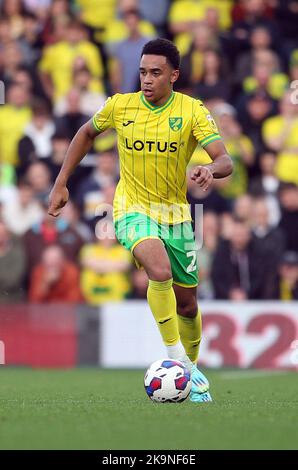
(78, 148)
(220, 167)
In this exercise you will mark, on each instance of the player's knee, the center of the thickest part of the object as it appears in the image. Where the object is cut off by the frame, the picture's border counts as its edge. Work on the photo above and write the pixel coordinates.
(160, 273)
(188, 309)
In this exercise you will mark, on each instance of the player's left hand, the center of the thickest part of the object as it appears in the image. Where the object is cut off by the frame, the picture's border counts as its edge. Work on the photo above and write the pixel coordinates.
(202, 175)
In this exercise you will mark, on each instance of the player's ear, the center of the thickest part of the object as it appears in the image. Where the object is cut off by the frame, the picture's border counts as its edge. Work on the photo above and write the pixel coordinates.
(174, 76)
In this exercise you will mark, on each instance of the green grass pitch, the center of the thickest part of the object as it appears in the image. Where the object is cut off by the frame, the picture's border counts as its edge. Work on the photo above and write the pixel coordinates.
(105, 409)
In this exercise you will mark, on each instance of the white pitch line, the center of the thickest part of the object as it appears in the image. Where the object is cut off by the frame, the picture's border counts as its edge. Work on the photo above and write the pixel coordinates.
(248, 374)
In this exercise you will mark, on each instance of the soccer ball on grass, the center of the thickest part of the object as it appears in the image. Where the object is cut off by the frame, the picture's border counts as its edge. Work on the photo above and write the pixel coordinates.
(167, 380)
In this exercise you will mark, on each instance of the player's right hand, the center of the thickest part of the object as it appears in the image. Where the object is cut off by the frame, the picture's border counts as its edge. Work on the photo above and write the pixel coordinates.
(57, 199)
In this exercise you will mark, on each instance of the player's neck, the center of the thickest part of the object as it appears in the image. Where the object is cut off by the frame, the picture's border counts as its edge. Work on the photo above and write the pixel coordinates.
(162, 101)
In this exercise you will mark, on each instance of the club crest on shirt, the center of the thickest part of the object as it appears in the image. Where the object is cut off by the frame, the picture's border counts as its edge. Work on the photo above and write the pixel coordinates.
(175, 123)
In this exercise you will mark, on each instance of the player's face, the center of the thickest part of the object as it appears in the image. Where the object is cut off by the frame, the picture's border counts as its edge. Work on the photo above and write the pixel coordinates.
(157, 78)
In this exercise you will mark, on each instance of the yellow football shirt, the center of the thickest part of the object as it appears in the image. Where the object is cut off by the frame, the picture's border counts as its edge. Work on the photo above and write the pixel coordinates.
(57, 61)
(155, 144)
(97, 13)
(98, 288)
(287, 157)
(13, 121)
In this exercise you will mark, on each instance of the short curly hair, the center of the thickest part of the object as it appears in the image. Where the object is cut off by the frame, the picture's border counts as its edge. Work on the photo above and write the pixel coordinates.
(164, 47)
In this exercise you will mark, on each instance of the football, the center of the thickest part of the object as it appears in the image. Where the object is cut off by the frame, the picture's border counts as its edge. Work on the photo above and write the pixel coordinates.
(167, 380)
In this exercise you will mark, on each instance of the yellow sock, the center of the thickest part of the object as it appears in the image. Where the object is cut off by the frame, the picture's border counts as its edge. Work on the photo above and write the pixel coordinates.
(190, 330)
(162, 301)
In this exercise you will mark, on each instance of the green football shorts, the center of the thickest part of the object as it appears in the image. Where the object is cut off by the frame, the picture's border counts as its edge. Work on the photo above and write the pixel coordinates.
(178, 240)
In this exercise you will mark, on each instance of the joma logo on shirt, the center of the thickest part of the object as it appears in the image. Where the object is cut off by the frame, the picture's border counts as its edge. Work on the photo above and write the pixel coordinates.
(151, 146)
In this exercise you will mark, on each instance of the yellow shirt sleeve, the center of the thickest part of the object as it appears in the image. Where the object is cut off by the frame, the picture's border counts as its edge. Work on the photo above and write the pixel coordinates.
(204, 128)
(104, 118)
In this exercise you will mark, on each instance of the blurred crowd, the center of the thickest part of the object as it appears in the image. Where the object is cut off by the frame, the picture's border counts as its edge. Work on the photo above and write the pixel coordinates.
(60, 59)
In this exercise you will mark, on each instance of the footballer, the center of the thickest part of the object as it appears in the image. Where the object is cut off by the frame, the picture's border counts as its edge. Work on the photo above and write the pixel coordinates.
(158, 129)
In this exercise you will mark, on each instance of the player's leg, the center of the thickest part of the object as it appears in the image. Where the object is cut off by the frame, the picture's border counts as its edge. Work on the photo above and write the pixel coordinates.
(189, 320)
(139, 234)
(152, 255)
(190, 329)
(183, 256)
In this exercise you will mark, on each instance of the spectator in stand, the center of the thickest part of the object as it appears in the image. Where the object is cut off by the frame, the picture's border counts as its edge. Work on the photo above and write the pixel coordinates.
(14, 116)
(48, 232)
(212, 83)
(54, 279)
(11, 59)
(191, 70)
(259, 39)
(5, 33)
(266, 75)
(239, 147)
(39, 177)
(184, 14)
(54, 29)
(280, 134)
(57, 60)
(243, 207)
(288, 194)
(23, 77)
(240, 269)
(117, 31)
(23, 210)
(125, 71)
(252, 111)
(60, 144)
(71, 215)
(269, 237)
(267, 185)
(248, 14)
(73, 118)
(155, 12)
(96, 24)
(14, 11)
(36, 142)
(30, 41)
(90, 193)
(91, 99)
(286, 283)
(226, 226)
(58, 17)
(12, 267)
(28, 79)
(105, 267)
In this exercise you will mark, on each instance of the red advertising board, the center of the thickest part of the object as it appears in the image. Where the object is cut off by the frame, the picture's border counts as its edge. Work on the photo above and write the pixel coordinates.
(256, 334)
(260, 335)
(38, 335)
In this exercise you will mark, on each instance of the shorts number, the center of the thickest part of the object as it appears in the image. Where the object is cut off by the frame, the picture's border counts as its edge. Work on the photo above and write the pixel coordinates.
(192, 266)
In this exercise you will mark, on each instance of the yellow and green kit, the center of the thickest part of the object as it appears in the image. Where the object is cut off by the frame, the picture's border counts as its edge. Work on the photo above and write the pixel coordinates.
(155, 144)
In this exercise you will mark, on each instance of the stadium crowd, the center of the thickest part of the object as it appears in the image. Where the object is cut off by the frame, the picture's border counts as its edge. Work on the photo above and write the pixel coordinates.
(60, 59)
